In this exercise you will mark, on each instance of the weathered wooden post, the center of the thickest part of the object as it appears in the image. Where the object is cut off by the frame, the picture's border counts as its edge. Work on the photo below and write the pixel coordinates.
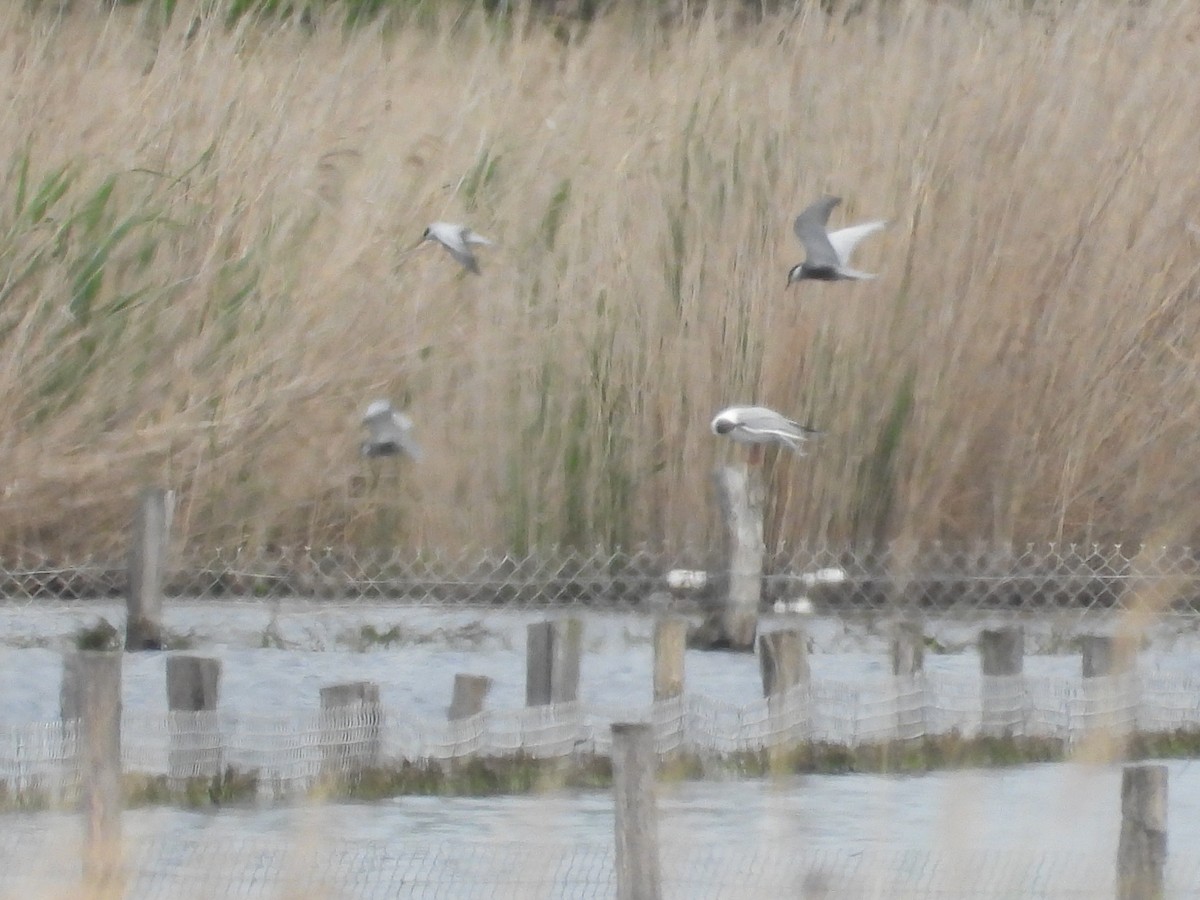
(908, 648)
(147, 570)
(1142, 852)
(1107, 664)
(1102, 655)
(193, 691)
(470, 692)
(742, 498)
(1001, 658)
(670, 645)
(351, 728)
(783, 664)
(91, 700)
(908, 668)
(782, 660)
(639, 876)
(552, 658)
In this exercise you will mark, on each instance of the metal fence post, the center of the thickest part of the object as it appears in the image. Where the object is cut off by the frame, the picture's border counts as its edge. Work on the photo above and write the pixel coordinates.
(634, 762)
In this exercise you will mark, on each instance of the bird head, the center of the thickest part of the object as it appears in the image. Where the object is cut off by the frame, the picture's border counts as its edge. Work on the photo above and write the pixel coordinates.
(724, 423)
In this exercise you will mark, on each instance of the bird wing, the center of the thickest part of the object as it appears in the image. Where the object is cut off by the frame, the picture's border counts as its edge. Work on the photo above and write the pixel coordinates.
(810, 228)
(470, 237)
(759, 420)
(844, 240)
(393, 428)
(464, 256)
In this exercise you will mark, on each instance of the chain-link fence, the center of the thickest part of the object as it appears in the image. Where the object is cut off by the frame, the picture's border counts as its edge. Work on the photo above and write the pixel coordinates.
(933, 576)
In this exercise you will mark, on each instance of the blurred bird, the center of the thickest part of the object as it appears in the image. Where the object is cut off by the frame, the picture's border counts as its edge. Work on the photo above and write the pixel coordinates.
(390, 432)
(457, 239)
(759, 425)
(827, 253)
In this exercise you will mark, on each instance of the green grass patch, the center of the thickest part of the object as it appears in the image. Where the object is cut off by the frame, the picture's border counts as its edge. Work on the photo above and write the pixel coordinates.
(522, 774)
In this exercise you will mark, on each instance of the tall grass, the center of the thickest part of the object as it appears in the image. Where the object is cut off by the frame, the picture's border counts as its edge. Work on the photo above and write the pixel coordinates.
(205, 273)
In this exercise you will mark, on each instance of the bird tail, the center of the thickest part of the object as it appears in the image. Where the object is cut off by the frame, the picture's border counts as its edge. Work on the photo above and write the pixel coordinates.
(855, 274)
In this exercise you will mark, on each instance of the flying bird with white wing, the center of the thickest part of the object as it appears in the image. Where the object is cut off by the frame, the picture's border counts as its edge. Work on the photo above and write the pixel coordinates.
(760, 425)
(827, 253)
(389, 432)
(458, 241)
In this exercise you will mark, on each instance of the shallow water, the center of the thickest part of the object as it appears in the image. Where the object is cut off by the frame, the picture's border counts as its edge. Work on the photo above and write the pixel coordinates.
(1046, 830)
(1030, 831)
(313, 645)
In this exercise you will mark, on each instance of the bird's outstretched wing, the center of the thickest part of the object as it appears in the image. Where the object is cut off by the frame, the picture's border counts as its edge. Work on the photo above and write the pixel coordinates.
(810, 229)
(764, 422)
(844, 240)
(464, 256)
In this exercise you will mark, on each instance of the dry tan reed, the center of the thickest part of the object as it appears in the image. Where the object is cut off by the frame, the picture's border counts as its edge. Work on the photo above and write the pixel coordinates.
(1025, 367)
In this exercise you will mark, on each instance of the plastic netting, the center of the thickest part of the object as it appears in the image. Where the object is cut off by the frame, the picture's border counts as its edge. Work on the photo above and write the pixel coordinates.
(288, 754)
(199, 867)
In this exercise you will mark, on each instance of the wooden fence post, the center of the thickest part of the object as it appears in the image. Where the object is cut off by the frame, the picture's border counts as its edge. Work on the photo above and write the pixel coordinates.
(147, 570)
(193, 691)
(1142, 852)
(91, 699)
(782, 660)
(783, 664)
(351, 728)
(1001, 658)
(634, 763)
(908, 668)
(1109, 690)
(552, 659)
(470, 692)
(742, 499)
(908, 648)
(670, 645)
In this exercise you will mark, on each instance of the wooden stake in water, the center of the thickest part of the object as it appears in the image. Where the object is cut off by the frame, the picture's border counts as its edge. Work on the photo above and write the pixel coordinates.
(147, 570)
(908, 663)
(670, 645)
(782, 660)
(95, 682)
(1142, 852)
(470, 692)
(1001, 659)
(552, 659)
(742, 498)
(634, 765)
(351, 728)
(193, 686)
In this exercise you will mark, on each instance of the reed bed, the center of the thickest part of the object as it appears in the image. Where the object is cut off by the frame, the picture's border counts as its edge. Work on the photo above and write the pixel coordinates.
(206, 272)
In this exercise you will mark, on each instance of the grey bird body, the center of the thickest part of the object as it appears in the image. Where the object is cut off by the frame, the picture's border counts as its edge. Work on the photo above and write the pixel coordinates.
(389, 432)
(827, 253)
(760, 425)
(458, 240)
